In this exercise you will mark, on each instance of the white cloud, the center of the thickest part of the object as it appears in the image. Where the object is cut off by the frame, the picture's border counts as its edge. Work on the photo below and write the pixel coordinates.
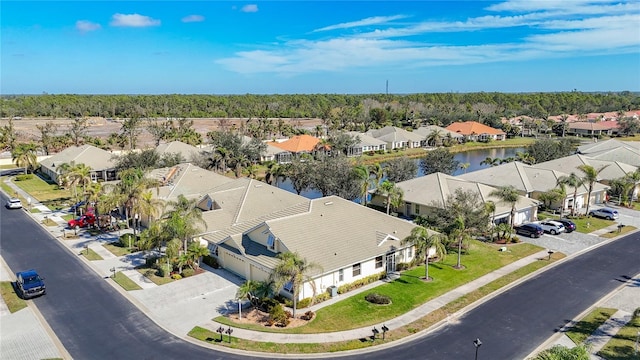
(364, 22)
(133, 20)
(250, 8)
(86, 26)
(193, 18)
(544, 29)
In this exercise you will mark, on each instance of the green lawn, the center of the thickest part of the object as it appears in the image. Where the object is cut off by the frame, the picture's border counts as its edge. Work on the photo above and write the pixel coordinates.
(151, 274)
(614, 233)
(42, 191)
(622, 345)
(119, 250)
(126, 283)
(587, 325)
(49, 222)
(13, 301)
(91, 255)
(409, 291)
(584, 224)
(395, 334)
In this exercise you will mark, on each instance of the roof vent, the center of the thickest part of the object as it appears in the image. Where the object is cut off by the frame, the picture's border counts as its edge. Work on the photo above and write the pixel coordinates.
(328, 203)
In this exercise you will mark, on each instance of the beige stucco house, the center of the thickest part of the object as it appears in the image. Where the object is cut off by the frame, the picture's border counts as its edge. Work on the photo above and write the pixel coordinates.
(100, 161)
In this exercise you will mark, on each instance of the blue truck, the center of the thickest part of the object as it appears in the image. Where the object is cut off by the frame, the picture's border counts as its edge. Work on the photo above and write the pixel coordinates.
(29, 284)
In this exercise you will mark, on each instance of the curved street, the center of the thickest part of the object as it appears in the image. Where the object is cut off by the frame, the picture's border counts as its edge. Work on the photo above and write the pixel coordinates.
(93, 320)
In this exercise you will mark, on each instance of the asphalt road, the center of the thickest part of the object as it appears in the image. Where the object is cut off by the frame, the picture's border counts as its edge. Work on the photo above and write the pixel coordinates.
(94, 321)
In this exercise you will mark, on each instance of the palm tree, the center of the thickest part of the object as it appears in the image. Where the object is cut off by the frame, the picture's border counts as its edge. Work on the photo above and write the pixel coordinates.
(248, 290)
(424, 244)
(80, 174)
(363, 176)
(391, 192)
(590, 177)
(196, 252)
(184, 219)
(563, 119)
(293, 270)
(509, 195)
(575, 182)
(434, 137)
(275, 172)
(464, 166)
(377, 171)
(460, 233)
(25, 156)
(149, 206)
(490, 161)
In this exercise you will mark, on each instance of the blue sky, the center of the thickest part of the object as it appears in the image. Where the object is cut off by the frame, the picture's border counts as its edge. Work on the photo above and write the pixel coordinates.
(285, 47)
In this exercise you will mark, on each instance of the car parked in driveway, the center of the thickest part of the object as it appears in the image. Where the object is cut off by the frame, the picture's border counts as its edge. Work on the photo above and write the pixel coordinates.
(14, 203)
(569, 225)
(82, 221)
(29, 284)
(531, 230)
(605, 213)
(551, 227)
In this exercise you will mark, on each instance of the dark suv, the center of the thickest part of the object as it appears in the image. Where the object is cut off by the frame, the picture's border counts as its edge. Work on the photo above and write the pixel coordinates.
(531, 230)
(29, 284)
(569, 225)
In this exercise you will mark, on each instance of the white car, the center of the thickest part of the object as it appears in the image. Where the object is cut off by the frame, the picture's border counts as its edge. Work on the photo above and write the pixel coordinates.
(14, 203)
(552, 227)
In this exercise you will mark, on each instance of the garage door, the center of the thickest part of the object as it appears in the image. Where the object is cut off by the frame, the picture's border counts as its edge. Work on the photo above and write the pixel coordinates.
(234, 264)
(258, 274)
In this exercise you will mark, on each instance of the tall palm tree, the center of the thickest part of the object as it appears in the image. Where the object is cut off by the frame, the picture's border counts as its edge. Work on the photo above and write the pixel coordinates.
(81, 175)
(434, 137)
(391, 192)
(149, 206)
(590, 177)
(132, 185)
(490, 208)
(490, 161)
(465, 166)
(248, 290)
(424, 244)
(509, 195)
(196, 252)
(575, 182)
(25, 156)
(293, 270)
(184, 219)
(459, 234)
(364, 178)
(377, 171)
(563, 119)
(275, 172)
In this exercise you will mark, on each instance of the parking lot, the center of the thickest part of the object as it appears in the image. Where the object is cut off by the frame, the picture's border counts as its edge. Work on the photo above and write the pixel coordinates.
(574, 242)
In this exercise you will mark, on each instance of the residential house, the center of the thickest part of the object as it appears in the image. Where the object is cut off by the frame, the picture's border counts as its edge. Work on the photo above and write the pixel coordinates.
(423, 194)
(627, 155)
(365, 144)
(186, 151)
(100, 161)
(600, 146)
(584, 128)
(396, 138)
(348, 241)
(274, 153)
(299, 144)
(532, 181)
(426, 131)
(475, 131)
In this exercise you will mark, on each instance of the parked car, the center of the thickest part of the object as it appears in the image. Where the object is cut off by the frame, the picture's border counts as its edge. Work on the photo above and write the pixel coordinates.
(605, 213)
(569, 225)
(531, 230)
(14, 203)
(29, 284)
(82, 221)
(551, 227)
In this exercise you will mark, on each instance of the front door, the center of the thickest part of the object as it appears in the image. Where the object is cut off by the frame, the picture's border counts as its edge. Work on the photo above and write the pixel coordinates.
(391, 262)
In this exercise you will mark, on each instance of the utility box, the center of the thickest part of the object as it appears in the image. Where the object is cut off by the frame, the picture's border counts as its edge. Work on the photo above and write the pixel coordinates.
(333, 291)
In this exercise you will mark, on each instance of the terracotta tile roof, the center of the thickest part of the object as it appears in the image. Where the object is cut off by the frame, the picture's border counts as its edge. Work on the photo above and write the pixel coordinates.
(298, 143)
(583, 125)
(473, 127)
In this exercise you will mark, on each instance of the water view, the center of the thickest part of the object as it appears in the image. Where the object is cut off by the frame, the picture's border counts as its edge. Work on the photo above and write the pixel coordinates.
(473, 157)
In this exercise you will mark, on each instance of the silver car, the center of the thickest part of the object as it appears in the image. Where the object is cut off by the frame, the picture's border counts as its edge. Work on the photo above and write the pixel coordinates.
(14, 203)
(552, 227)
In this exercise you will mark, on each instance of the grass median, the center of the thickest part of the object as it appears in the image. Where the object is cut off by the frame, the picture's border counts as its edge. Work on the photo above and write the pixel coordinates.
(91, 255)
(420, 324)
(124, 281)
(13, 301)
(579, 332)
(624, 344)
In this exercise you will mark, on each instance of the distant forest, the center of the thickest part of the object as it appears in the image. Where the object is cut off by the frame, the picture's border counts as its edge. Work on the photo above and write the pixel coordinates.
(436, 108)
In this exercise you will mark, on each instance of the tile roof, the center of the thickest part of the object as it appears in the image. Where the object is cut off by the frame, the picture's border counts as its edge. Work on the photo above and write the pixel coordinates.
(394, 134)
(613, 169)
(89, 155)
(186, 179)
(185, 150)
(584, 125)
(298, 143)
(426, 130)
(473, 127)
(366, 140)
(607, 145)
(625, 155)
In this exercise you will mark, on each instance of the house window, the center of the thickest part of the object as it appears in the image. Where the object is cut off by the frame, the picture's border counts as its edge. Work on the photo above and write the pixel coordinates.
(341, 275)
(271, 240)
(356, 270)
(288, 287)
(378, 262)
(416, 209)
(409, 252)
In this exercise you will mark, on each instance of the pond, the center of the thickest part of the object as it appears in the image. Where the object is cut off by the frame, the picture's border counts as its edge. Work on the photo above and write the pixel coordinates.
(473, 157)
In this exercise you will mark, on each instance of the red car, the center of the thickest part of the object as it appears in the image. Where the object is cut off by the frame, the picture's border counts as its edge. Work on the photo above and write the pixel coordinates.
(82, 221)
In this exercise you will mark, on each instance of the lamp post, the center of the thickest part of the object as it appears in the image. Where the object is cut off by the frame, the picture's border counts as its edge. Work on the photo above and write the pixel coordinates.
(384, 331)
(477, 343)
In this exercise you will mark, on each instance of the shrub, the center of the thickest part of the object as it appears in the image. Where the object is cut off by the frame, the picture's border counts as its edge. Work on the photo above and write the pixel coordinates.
(376, 298)
(402, 266)
(24, 177)
(307, 316)
(150, 261)
(322, 297)
(360, 283)
(268, 304)
(127, 240)
(211, 261)
(188, 272)
(176, 276)
(304, 303)
(164, 270)
(278, 316)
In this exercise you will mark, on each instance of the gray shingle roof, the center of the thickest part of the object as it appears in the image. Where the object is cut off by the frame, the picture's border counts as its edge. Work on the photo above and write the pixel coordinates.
(89, 155)
(366, 140)
(185, 150)
(625, 155)
(613, 169)
(426, 130)
(394, 134)
(186, 179)
(607, 145)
